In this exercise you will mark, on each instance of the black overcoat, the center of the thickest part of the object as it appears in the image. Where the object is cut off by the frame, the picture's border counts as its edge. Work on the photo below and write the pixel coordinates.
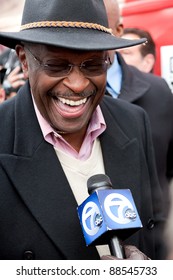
(38, 217)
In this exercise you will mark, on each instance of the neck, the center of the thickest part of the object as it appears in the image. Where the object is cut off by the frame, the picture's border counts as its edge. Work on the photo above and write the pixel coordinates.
(74, 139)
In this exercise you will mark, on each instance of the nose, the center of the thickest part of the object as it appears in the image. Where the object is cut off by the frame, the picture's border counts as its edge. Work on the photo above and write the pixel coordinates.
(76, 80)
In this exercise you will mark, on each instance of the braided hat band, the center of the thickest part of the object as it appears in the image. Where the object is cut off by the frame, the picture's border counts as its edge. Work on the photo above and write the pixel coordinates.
(66, 24)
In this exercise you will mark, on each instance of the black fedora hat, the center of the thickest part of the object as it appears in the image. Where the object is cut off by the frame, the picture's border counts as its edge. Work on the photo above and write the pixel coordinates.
(74, 24)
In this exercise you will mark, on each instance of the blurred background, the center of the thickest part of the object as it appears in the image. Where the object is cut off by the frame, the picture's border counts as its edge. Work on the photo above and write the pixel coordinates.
(10, 14)
(154, 16)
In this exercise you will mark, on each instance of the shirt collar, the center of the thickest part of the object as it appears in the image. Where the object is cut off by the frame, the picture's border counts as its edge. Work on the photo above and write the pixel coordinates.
(96, 126)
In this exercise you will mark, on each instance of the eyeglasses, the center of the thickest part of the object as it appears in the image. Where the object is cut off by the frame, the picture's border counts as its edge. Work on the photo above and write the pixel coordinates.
(61, 67)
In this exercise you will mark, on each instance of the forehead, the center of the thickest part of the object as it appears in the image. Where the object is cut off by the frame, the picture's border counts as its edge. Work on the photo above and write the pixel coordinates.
(64, 52)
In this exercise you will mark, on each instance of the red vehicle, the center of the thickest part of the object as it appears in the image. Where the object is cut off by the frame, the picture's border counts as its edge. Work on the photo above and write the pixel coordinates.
(156, 16)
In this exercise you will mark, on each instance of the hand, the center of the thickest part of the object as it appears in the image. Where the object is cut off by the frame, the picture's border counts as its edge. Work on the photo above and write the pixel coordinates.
(131, 252)
(16, 78)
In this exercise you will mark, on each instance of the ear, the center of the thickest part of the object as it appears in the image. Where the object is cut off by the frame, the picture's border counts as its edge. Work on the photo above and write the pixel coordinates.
(119, 30)
(22, 57)
(149, 61)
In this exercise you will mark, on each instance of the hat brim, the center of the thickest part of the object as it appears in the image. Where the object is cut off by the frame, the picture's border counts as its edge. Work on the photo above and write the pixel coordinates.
(80, 39)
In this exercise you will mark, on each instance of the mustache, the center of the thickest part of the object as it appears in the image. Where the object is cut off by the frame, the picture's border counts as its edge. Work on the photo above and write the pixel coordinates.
(83, 94)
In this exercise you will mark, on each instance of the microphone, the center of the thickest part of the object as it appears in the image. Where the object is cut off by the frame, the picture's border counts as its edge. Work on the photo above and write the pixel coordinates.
(108, 216)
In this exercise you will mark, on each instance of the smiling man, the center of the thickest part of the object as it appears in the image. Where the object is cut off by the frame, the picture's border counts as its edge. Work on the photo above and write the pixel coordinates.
(67, 86)
(61, 129)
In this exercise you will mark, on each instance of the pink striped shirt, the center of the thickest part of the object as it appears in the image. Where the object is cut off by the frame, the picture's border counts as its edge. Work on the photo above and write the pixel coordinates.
(96, 127)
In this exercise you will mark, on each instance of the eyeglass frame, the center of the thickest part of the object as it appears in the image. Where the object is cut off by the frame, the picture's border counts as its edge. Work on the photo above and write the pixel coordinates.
(46, 67)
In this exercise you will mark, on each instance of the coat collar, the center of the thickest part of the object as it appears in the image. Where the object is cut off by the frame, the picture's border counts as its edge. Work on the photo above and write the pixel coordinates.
(134, 84)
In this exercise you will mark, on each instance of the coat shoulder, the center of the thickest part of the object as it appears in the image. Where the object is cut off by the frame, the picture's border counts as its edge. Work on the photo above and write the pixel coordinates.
(121, 107)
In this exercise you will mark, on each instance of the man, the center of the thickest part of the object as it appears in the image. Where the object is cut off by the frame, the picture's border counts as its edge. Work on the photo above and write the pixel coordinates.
(142, 57)
(149, 92)
(60, 129)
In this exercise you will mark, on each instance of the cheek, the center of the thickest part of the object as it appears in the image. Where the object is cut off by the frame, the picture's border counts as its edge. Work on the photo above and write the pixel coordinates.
(39, 88)
(40, 83)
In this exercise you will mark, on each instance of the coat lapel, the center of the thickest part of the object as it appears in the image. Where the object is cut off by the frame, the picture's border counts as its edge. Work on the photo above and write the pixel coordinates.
(120, 154)
(132, 86)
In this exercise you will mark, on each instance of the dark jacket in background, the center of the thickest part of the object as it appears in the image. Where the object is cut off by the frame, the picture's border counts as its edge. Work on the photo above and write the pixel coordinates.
(153, 94)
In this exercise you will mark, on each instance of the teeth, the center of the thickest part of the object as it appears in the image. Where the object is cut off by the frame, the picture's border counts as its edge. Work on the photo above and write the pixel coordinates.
(71, 102)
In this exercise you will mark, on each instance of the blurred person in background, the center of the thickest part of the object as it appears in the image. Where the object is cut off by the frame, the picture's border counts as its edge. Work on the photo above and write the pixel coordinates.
(149, 92)
(2, 48)
(144, 56)
(11, 13)
(12, 77)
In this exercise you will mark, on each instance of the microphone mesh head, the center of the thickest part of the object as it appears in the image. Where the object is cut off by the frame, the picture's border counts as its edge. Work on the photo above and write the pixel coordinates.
(98, 181)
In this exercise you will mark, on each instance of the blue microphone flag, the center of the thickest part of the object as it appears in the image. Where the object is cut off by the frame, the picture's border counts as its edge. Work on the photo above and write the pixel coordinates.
(106, 213)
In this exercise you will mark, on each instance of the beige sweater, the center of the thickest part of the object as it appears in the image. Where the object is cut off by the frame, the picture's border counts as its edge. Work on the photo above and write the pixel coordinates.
(78, 172)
